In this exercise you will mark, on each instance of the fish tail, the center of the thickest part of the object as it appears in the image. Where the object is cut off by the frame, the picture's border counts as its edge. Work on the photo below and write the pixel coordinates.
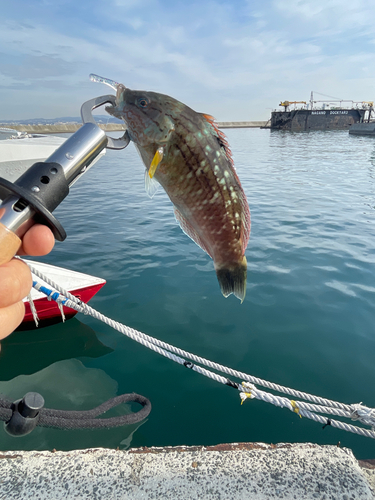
(232, 279)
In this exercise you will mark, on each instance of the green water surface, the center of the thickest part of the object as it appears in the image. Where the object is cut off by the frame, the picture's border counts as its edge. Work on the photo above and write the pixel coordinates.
(307, 321)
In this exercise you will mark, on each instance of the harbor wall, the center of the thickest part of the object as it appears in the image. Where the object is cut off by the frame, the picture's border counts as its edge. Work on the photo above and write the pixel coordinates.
(253, 124)
(229, 471)
(60, 128)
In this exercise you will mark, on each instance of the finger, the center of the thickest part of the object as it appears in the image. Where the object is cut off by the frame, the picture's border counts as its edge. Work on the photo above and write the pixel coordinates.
(10, 318)
(16, 281)
(38, 240)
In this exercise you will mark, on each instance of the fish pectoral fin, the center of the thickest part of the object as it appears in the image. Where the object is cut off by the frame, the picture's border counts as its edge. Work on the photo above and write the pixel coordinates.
(151, 185)
(156, 161)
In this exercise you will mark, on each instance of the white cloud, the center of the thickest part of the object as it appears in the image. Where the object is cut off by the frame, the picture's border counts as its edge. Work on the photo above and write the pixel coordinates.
(233, 61)
(38, 67)
(329, 17)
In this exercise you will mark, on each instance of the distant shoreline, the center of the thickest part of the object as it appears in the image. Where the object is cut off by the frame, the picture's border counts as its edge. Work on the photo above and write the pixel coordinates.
(60, 128)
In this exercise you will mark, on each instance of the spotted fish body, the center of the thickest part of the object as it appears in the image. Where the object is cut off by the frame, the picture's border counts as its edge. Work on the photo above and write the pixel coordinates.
(194, 166)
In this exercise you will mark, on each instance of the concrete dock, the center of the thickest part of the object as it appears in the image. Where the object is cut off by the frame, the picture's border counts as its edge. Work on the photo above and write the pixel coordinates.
(255, 471)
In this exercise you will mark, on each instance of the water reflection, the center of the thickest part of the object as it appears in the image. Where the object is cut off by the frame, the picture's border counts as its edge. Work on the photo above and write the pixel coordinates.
(30, 351)
(309, 308)
(69, 385)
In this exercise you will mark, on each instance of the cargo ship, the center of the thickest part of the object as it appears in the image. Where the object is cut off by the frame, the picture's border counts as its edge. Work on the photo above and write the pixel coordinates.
(334, 114)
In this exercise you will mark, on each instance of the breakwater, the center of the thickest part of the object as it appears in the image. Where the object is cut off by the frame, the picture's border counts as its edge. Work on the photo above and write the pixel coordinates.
(253, 124)
(60, 128)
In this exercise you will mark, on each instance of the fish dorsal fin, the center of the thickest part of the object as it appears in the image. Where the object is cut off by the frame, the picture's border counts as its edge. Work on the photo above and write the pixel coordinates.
(190, 231)
(221, 137)
(151, 184)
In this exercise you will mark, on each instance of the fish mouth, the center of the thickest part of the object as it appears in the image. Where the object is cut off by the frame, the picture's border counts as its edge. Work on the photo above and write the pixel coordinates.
(114, 111)
(118, 87)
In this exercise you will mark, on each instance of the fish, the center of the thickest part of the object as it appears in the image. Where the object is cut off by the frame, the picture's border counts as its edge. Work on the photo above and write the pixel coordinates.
(185, 152)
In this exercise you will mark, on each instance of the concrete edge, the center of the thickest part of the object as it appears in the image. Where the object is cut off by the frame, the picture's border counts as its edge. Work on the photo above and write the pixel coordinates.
(258, 471)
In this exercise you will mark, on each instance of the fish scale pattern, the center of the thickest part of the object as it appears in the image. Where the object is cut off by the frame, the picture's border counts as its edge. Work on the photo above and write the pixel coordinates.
(190, 157)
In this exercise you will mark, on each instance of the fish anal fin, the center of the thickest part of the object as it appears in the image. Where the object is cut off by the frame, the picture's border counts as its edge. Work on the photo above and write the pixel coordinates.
(232, 279)
(189, 230)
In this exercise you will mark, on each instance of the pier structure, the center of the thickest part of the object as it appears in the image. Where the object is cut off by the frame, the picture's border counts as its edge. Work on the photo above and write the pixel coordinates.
(71, 127)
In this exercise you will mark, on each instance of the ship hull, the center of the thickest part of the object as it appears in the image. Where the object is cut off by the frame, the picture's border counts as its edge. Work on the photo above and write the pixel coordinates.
(300, 120)
(367, 128)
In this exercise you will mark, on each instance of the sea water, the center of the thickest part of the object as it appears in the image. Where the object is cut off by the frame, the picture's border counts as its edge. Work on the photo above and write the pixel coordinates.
(307, 321)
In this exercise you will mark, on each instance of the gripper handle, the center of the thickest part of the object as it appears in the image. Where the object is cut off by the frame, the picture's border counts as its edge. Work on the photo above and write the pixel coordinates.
(9, 244)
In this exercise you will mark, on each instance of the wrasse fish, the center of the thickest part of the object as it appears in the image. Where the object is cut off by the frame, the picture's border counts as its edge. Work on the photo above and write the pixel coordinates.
(190, 157)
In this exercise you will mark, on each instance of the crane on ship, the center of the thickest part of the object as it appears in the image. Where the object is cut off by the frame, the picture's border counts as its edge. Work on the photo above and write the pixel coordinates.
(286, 104)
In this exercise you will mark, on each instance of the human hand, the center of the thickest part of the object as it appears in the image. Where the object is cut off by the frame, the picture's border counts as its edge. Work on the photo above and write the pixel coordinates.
(15, 278)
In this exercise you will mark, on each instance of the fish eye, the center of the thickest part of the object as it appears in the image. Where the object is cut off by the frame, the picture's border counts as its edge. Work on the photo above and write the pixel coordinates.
(143, 102)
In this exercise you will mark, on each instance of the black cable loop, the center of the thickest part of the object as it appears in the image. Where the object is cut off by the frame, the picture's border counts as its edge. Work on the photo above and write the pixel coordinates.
(68, 420)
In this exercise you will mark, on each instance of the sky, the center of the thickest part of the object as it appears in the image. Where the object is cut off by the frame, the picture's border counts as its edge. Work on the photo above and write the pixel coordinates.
(233, 59)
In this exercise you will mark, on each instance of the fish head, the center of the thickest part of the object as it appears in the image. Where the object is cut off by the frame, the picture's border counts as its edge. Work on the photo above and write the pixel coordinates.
(145, 114)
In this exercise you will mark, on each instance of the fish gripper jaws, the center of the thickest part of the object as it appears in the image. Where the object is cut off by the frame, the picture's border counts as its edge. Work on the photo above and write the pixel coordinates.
(87, 117)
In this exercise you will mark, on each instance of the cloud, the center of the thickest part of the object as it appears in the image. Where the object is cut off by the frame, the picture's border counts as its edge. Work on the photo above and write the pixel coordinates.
(209, 54)
(328, 18)
(38, 67)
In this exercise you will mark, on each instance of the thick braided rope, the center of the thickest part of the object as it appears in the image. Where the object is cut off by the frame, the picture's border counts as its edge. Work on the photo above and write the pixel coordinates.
(306, 409)
(85, 419)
